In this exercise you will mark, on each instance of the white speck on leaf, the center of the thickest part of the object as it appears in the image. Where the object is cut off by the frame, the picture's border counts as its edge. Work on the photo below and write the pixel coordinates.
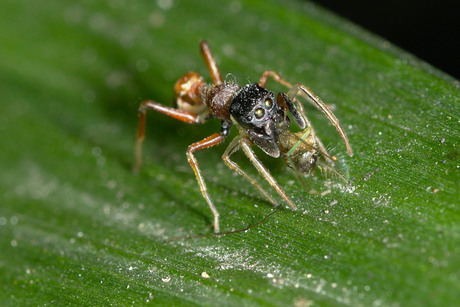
(205, 275)
(166, 279)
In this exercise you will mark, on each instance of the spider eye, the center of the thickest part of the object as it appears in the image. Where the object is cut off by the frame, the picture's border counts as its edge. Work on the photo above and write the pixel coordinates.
(268, 103)
(259, 113)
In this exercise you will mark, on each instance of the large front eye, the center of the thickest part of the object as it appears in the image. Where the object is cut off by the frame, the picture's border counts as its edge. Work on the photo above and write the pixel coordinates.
(268, 103)
(259, 113)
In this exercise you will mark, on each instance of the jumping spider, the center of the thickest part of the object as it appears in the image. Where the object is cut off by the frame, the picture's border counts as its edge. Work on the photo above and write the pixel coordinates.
(261, 118)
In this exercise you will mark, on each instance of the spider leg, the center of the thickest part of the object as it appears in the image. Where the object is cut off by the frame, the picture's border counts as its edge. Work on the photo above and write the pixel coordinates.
(263, 171)
(291, 94)
(181, 115)
(305, 91)
(233, 147)
(276, 76)
(300, 110)
(323, 108)
(210, 141)
(211, 63)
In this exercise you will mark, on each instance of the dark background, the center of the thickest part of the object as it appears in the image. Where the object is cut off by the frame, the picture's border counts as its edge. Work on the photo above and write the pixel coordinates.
(428, 29)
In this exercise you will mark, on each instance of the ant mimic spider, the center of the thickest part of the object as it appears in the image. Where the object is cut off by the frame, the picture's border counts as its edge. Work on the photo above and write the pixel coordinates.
(260, 117)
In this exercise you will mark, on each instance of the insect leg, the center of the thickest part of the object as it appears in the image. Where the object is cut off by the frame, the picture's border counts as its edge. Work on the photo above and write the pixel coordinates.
(264, 172)
(184, 116)
(299, 176)
(212, 140)
(233, 147)
(320, 144)
(307, 132)
(211, 63)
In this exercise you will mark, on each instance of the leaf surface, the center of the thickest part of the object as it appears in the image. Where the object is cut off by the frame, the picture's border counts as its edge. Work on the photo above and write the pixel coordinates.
(78, 227)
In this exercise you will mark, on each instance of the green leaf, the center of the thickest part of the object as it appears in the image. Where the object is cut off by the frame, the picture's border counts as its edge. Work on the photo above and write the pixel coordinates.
(78, 227)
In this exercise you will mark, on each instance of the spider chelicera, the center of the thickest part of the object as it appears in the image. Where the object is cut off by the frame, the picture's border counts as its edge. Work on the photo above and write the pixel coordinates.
(261, 119)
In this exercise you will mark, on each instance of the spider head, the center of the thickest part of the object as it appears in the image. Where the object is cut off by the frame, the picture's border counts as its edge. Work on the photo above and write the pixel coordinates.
(254, 108)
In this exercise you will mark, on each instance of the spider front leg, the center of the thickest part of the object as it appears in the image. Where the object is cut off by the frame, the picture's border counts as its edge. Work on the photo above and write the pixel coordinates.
(210, 141)
(233, 147)
(293, 92)
(302, 120)
(292, 96)
(181, 115)
(308, 93)
(244, 143)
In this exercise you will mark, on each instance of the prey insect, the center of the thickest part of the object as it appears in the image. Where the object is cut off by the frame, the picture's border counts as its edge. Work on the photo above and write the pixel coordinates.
(261, 118)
